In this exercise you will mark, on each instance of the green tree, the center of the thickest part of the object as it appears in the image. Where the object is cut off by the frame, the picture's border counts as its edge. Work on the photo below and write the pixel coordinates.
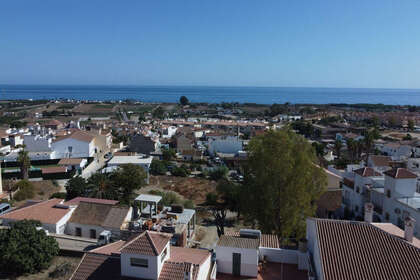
(126, 179)
(24, 163)
(219, 173)
(281, 183)
(184, 100)
(99, 186)
(168, 154)
(24, 249)
(410, 125)
(75, 187)
(158, 113)
(158, 167)
(337, 147)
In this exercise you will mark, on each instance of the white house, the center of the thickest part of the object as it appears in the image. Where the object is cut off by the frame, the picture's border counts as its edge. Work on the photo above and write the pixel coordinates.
(53, 214)
(347, 250)
(141, 160)
(226, 144)
(169, 131)
(237, 256)
(395, 150)
(149, 255)
(79, 144)
(93, 217)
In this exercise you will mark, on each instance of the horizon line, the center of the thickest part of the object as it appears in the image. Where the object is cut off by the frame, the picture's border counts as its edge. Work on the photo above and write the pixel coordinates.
(220, 86)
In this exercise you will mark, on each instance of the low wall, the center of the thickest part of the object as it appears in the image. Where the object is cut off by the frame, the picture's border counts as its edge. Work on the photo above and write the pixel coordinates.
(287, 256)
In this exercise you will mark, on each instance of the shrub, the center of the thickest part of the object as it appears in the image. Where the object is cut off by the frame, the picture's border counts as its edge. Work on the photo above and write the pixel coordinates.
(25, 190)
(61, 270)
(158, 167)
(179, 172)
(219, 173)
(189, 204)
(61, 195)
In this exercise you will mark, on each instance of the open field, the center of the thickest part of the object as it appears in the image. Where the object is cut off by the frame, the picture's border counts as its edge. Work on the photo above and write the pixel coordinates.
(194, 189)
(42, 190)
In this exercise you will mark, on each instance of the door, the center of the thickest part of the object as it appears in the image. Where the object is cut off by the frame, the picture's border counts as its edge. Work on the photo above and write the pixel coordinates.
(236, 264)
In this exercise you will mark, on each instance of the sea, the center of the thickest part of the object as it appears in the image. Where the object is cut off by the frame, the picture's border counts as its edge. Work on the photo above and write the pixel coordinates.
(215, 94)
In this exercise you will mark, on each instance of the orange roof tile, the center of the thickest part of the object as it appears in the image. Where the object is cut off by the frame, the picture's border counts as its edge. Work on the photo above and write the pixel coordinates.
(45, 212)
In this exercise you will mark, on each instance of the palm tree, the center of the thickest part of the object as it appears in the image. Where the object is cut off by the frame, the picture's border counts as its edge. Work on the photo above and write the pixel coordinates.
(337, 148)
(368, 143)
(25, 163)
(99, 186)
(351, 148)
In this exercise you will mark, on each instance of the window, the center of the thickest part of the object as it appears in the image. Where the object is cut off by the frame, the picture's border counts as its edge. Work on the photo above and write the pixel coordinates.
(357, 208)
(357, 189)
(387, 216)
(162, 257)
(139, 262)
(388, 193)
(92, 233)
(78, 231)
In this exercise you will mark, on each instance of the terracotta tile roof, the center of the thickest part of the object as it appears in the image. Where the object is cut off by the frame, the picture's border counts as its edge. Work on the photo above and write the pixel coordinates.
(173, 271)
(96, 267)
(238, 242)
(331, 200)
(396, 231)
(78, 135)
(53, 123)
(266, 240)
(358, 250)
(77, 200)
(380, 160)
(367, 172)
(70, 161)
(54, 169)
(109, 249)
(147, 243)
(400, 173)
(45, 212)
(99, 214)
(189, 255)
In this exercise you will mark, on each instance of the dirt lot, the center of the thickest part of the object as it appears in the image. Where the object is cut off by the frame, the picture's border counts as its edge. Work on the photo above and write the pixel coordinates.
(74, 261)
(195, 189)
(43, 190)
(94, 109)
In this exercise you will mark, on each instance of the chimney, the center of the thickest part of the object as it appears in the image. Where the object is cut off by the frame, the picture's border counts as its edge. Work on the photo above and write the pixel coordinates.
(368, 212)
(409, 229)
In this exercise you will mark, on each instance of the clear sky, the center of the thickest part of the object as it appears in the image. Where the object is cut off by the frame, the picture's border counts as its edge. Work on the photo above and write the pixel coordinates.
(331, 43)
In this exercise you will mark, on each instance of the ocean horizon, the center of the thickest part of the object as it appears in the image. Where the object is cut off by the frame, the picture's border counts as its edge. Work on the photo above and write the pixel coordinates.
(214, 94)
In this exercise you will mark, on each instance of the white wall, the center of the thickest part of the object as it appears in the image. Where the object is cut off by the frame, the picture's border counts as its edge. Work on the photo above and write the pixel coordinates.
(71, 229)
(36, 143)
(204, 269)
(225, 144)
(313, 247)
(151, 272)
(80, 148)
(249, 260)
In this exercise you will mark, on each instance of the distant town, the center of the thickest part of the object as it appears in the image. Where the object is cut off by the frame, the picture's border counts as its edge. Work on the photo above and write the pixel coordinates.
(197, 191)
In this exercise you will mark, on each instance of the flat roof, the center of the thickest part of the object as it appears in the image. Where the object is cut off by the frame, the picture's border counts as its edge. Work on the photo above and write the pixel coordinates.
(148, 198)
(130, 159)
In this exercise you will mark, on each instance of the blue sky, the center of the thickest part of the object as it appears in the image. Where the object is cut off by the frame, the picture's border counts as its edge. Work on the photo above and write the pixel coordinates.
(321, 43)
